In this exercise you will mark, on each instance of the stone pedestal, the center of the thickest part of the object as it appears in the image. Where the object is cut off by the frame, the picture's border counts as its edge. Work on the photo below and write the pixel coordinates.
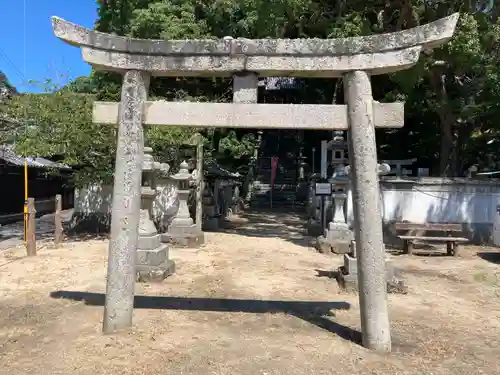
(152, 261)
(210, 212)
(313, 226)
(347, 275)
(337, 237)
(182, 231)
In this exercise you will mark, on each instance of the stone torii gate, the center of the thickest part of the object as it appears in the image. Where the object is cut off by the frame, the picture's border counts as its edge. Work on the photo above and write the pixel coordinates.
(354, 59)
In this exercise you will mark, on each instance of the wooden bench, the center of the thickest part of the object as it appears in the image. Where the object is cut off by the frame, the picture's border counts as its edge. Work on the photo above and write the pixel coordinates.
(450, 235)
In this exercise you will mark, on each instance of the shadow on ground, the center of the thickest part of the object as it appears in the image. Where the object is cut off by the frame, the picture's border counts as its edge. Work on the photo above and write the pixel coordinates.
(288, 225)
(493, 257)
(315, 312)
(12, 234)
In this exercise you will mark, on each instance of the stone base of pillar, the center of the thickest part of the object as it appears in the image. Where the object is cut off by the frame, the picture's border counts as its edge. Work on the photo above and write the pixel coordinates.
(146, 273)
(347, 277)
(184, 236)
(152, 263)
(336, 239)
(339, 236)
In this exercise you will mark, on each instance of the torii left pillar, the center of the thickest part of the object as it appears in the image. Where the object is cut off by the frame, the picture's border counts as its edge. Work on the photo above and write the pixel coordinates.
(124, 236)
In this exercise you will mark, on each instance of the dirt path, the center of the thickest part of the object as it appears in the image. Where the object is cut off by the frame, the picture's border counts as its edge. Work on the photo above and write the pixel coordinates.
(253, 302)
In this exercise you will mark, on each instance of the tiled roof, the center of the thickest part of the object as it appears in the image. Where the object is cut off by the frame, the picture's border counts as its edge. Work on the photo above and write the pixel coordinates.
(215, 170)
(8, 155)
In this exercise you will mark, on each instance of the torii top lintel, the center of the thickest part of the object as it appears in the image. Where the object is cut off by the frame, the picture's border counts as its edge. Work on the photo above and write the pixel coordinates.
(376, 54)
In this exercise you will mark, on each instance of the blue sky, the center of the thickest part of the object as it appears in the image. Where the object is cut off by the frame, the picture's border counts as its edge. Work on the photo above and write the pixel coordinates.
(46, 56)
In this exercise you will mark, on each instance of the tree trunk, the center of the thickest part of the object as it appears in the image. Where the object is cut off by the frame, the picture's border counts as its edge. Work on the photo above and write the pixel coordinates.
(448, 152)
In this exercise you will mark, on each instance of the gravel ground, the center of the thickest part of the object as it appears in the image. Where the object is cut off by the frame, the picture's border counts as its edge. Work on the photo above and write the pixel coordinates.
(255, 300)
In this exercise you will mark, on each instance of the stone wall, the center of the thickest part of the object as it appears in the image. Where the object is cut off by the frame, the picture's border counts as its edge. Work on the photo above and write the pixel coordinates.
(437, 200)
(92, 207)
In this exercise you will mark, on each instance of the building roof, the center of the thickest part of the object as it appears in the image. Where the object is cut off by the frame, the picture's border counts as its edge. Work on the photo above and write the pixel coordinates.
(215, 170)
(8, 155)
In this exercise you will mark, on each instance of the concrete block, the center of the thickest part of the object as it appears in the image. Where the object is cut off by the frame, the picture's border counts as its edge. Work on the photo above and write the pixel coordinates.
(158, 273)
(323, 246)
(190, 241)
(149, 242)
(152, 257)
(340, 247)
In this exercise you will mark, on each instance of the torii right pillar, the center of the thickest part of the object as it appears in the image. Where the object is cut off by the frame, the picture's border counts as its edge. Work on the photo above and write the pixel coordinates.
(366, 203)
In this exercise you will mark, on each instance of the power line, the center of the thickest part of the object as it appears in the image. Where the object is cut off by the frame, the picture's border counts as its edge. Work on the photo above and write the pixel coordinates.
(9, 61)
(24, 38)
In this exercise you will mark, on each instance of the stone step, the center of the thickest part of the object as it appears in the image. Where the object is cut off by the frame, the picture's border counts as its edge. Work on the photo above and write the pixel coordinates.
(260, 186)
(275, 194)
(275, 198)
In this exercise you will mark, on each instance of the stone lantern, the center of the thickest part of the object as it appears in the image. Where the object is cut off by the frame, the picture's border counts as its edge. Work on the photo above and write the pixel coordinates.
(301, 159)
(236, 202)
(152, 261)
(338, 148)
(348, 273)
(182, 231)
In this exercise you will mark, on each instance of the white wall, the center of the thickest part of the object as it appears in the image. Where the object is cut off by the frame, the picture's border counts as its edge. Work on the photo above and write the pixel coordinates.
(437, 200)
(96, 199)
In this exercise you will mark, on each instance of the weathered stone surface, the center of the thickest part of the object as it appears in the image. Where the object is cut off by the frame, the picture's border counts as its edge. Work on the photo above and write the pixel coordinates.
(155, 273)
(378, 54)
(367, 214)
(430, 35)
(151, 253)
(340, 247)
(347, 277)
(323, 246)
(152, 257)
(256, 116)
(189, 240)
(182, 231)
(126, 204)
(321, 66)
(149, 242)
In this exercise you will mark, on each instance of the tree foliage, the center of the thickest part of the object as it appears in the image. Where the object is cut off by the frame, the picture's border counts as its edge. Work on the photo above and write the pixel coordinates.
(452, 95)
(59, 125)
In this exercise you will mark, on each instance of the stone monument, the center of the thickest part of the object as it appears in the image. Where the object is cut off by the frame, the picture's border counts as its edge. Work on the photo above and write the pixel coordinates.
(211, 217)
(347, 275)
(236, 201)
(182, 231)
(353, 59)
(337, 236)
(153, 263)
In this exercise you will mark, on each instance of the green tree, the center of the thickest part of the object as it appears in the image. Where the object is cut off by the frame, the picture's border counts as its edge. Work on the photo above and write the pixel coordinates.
(60, 125)
(452, 95)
